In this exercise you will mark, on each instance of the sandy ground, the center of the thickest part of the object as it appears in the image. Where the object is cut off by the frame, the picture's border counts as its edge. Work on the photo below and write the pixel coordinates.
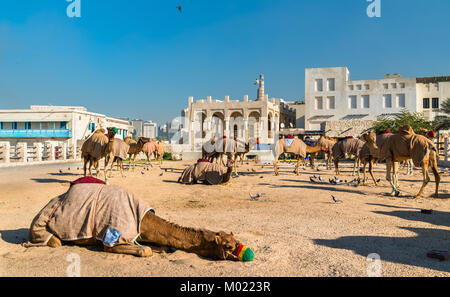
(295, 229)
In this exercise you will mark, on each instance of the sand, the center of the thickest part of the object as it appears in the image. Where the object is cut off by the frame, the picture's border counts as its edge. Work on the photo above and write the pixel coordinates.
(295, 229)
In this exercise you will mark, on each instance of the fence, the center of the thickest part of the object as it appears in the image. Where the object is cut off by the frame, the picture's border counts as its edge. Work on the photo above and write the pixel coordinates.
(23, 153)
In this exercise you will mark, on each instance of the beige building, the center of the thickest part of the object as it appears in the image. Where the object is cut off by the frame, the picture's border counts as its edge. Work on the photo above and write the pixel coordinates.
(244, 120)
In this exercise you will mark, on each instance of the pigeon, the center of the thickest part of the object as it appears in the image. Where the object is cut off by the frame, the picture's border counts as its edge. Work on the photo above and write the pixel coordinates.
(378, 180)
(179, 8)
(253, 170)
(60, 171)
(78, 168)
(332, 181)
(165, 169)
(161, 174)
(68, 168)
(142, 172)
(335, 200)
(320, 178)
(253, 197)
(312, 180)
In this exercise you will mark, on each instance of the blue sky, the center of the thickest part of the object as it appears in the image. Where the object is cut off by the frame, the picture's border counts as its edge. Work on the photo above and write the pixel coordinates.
(143, 58)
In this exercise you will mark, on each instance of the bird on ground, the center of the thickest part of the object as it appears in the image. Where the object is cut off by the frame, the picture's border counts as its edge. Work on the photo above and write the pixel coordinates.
(142, 172)
(332, 181)
(321, 178)
(68, 168)
(253, 170)
(161, 174)
(312, 180)
(253, 197)
(335, 200)
(60, 171)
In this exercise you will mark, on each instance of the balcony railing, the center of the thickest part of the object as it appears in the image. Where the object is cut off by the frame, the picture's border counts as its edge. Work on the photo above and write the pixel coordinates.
(35, 133)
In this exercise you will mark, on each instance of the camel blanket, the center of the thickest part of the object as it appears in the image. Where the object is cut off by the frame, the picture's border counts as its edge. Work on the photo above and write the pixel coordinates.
(210, 173)
(149, 147)
(407, 144)
(298, 147)
(95, 145)
(120, 148)
(90, 211)
(347, 146)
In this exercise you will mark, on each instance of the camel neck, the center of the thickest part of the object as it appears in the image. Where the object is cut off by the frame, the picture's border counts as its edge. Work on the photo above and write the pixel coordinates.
(158, 231)
(227, 176)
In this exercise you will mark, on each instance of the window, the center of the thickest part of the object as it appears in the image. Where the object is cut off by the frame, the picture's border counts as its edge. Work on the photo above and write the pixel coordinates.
(330, 84)
(331, 102)
(366, 101)
(352, 102)
(367, 87)
(401, 100)
(358, 87)
(319, 86)
(1, 125)
(402, 85)
(319, 103)
(394, 85)
(387, 101)
(27, 125)
(435, 103)
(426, 103)
(14, 125)
(63, 125)
(350, 87)
(386, 86)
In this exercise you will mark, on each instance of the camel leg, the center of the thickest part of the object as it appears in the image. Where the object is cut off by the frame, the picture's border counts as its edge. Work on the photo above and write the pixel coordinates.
(364, 171)
(120, 162)
(426, 179)
(298, 165)
(129, 249)
(85, 165)
(371, 162)
(336, 166)
(389, 176)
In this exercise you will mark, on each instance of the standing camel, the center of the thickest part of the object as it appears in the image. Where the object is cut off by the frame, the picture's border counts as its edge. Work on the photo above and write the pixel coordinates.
(293, 146)
(327, 143)
(116, 151)
(93, 149)
(118, 221)
(136, 148)
(348, 145)
(155, 148)
(370, 152)
(408, 145)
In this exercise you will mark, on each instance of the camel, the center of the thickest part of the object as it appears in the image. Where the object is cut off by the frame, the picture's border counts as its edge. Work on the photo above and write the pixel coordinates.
(155, 148)
(209, 149)
(370, 152)
(326, 142)
(408, 145)
(116, 151)
(94, 149)
(297, 148)
(206, 172)
(348, 145)
(135, 148)
(129, 140)
(120, 223)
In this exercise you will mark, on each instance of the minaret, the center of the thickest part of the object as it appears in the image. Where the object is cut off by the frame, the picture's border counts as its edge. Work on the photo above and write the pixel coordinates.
(260, 94)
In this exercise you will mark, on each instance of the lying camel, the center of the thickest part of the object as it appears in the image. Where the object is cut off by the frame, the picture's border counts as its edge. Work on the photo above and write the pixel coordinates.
(135, 148)
(206, 172)
(408, 145)
(94, 149)
(116, 151)
(293, 146)
(92, 213)
(348, 145)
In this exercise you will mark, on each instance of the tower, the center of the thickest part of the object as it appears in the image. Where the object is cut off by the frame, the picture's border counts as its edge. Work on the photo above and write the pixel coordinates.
(260, 82)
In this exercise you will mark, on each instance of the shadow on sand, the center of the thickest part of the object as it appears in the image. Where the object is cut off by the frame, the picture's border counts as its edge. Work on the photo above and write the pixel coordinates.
(14, 236)
(403, 250)
(50, 180)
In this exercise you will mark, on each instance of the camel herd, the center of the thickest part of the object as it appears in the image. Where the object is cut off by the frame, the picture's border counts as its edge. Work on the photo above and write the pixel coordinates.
(405, 146)
(100, 145)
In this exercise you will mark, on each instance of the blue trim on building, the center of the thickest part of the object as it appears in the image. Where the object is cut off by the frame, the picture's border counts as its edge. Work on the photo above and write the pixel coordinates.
(35, 133)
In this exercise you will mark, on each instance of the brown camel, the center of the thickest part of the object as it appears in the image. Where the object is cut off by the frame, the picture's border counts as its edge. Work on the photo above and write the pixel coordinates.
(154, 148)
(129, 140)
(408, 145)
(297, 148)
(118, 221)
(370, 152)
(348, 145)
(94, 148)
(135, 148)
(327, 143)
(206, 172)
(116, 151)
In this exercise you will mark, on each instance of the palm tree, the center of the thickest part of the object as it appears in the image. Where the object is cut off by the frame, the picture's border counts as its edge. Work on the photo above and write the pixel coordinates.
(416, 120)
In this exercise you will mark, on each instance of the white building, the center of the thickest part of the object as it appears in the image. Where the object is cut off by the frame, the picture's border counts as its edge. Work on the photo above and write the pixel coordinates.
(69, 125)
(150, 129)
(330, 96)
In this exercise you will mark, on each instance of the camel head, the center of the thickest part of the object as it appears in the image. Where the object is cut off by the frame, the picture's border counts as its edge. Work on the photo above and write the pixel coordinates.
(143, 140)
(370, 137)
(228, 248)
(112, 131)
